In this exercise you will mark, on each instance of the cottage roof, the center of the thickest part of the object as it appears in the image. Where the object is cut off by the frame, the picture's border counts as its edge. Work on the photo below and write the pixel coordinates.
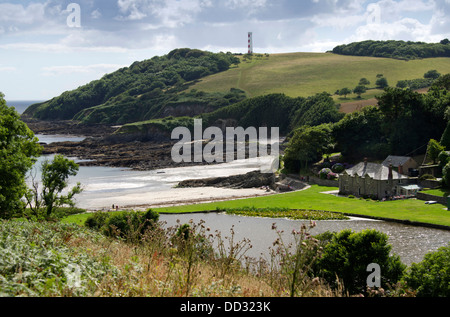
(396, 160)
(373, 170)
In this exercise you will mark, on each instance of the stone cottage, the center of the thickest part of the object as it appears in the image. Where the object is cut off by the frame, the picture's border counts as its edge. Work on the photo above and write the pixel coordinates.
(372, 180)
(404, 164)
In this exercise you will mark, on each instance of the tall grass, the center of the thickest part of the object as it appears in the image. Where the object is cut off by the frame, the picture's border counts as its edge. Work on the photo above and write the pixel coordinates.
(54, 259)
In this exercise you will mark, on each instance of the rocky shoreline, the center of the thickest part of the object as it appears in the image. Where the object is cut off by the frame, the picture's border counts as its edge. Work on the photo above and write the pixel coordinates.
(102, 148)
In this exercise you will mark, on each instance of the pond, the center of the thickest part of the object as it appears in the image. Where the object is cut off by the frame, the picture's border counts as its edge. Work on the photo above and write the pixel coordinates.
(411, 243)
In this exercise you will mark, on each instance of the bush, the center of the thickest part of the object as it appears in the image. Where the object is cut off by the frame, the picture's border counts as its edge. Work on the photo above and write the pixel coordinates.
(323, 174)
(338, 168)
(348, 254)
(130, 224)
(97, 220)
(446, 175)
(431, 277)
(427, 176)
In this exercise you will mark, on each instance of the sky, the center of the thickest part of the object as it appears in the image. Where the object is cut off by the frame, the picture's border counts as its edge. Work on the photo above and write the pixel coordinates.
(51, 46)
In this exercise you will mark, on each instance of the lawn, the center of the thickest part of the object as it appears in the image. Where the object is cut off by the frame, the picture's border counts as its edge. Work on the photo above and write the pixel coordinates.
(314, 199)
(438, 192)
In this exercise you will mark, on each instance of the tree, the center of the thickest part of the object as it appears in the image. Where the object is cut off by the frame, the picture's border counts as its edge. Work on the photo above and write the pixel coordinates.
(19, 149)
(402, 84)
(358, 134)
(433, 74)
(364, 82)
(431, 277)
(54, 180)
(359, 90)
(307, 145)
(344, 92)
(445, 139)
(382, 82)
(348, 255)
(434, 149)
(446, 175)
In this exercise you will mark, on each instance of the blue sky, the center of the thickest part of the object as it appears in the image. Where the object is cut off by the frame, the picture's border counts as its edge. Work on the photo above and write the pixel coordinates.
(43, 55)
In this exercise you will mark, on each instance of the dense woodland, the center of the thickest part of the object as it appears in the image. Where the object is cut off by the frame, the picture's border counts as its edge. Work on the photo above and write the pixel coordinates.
(402, 123)
(406, 50)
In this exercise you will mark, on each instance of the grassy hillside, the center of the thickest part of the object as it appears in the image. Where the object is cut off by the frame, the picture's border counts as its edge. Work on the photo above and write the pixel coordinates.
(305, 74)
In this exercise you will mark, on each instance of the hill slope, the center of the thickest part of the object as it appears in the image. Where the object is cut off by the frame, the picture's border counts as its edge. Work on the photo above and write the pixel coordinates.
(305, 74)
(154, 88)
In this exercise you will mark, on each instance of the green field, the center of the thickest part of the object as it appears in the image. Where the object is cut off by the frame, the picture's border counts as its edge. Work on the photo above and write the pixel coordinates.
(314, 199)
(305, 74)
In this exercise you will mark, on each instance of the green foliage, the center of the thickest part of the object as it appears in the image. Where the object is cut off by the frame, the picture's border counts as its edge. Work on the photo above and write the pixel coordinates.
(295, 214)
(443, 158)
(445, 138)
(307, 145)
(349, 253)
(382, 83)
(139, 92)
(446, 175)
(364, 82)
(415, 84)
(55, 175)
(359, 90)
(129, 225)
(432, 74)
(410, 119)
(394, 49)
(434, 149)
(344, 92)
(278, 110)
(36, 261)
(358, 134)
(19, 149)
(431, 277)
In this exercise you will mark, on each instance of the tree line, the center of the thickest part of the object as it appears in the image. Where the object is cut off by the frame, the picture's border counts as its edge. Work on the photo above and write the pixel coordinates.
(405, 50)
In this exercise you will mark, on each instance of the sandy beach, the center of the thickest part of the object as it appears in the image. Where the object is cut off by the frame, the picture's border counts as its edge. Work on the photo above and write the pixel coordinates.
(182, 196)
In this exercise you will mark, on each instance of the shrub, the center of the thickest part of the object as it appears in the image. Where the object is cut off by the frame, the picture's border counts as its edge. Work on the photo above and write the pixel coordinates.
(427, 176)
(443, 158)
(97, 220)
(446, 175)
(338, 168)
(431, 277)
(348, 254)
(130, 224)
(323, 174)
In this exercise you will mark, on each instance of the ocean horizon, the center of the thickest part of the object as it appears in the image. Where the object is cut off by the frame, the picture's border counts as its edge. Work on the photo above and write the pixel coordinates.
(21, 105)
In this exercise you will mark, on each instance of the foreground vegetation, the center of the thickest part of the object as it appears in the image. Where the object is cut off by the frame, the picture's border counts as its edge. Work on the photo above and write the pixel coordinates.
(102, 260)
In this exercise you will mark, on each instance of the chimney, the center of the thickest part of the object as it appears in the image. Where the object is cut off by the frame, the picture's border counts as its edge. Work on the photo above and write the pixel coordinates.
(390, 177)
(400, 169)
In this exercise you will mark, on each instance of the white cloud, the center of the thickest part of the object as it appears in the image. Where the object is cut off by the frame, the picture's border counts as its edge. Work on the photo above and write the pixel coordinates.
(7, 68)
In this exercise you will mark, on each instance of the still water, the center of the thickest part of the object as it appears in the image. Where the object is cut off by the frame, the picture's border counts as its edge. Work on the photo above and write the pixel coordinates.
(409, 242)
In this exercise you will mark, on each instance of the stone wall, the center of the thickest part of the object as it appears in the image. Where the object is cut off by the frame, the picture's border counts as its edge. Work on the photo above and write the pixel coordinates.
(429, 183)
(323, 182)
(428, 197)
